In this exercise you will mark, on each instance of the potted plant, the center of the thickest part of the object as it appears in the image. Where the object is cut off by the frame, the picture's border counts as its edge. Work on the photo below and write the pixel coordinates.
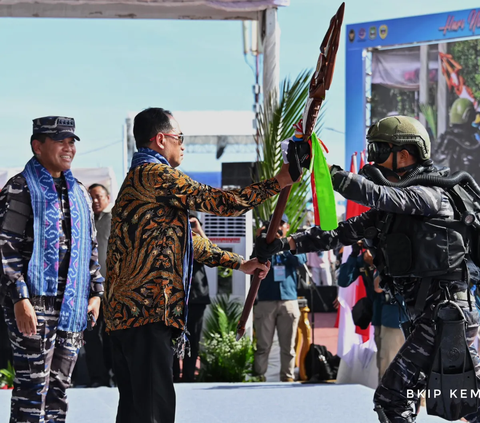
(223, 359)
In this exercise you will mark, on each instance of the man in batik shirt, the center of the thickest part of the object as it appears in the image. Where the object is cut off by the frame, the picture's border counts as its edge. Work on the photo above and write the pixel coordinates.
(149, 261)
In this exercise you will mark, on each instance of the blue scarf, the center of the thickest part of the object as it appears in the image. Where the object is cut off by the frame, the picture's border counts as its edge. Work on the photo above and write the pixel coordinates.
(146, 155)
(42, 275)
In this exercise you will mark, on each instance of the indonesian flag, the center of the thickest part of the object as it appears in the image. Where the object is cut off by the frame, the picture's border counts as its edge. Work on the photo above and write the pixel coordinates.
(355, 210)
(350, 335)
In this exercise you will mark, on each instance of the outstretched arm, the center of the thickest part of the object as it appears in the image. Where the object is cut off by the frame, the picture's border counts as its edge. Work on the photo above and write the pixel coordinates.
(419, 200)
(314, 239)
(179, 190)
(211, 255)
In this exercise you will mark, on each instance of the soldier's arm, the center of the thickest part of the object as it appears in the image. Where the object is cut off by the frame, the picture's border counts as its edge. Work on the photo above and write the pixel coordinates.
(96, 278)
(347, 233)
(415, 200)
(16, 241)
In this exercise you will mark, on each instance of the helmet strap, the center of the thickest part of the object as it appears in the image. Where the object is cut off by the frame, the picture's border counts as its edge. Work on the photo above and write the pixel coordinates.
(394, 172)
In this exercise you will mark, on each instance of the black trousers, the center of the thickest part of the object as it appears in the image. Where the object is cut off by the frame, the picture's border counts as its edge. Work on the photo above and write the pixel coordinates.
(143, 363)
(98, 354)
(194, 327)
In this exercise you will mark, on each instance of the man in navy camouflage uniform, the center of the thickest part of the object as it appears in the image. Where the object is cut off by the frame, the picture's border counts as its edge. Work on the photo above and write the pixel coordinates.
(406, 147)
(50, 275)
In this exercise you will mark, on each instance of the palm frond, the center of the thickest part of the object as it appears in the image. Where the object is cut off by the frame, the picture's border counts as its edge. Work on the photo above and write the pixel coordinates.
(223, 317)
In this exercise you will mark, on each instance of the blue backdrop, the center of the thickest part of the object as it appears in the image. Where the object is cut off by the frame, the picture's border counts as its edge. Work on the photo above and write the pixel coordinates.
(389, 33)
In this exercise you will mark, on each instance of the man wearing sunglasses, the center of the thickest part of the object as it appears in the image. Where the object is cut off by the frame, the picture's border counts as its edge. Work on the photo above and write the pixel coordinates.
(150, 260)
(421, 248)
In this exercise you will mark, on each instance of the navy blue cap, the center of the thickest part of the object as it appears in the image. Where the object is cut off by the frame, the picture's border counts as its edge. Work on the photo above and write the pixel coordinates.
(56, 127)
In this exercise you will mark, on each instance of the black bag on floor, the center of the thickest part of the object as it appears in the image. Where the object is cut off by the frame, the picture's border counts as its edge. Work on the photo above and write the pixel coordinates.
(323, 365)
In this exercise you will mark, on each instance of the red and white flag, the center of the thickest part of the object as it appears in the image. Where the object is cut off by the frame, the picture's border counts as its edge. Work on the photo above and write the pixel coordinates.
(355, 346)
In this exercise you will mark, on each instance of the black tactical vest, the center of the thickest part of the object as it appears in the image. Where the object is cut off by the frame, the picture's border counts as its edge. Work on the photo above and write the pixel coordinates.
(418, 246)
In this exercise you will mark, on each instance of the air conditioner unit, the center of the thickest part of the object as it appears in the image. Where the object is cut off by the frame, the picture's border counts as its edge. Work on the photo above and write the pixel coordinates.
(232, 234)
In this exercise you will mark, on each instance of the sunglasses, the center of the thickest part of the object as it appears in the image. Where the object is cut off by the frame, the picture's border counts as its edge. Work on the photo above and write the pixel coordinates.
(179, 137)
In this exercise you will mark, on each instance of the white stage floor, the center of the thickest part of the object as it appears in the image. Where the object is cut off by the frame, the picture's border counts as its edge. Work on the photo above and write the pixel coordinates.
(237, 403)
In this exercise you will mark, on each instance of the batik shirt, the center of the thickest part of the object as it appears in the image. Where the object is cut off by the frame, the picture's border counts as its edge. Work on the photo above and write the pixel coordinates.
(16, 239)
(148, 242)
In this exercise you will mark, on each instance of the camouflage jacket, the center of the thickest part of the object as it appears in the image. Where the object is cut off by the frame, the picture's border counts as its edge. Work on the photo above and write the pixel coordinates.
(149, 237)
(413, 200)
(16, 241)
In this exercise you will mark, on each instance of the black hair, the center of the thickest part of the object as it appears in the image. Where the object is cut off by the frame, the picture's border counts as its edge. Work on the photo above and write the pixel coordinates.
(149, 123)
(39, 137)
(98, 186)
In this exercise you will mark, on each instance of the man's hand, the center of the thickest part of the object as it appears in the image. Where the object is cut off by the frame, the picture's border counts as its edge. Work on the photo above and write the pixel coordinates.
(197, 227)
(25, 317)
(94, 307)
(250, 266)
(283, 177)
(336, 303)
(356, 248)
(265, 251)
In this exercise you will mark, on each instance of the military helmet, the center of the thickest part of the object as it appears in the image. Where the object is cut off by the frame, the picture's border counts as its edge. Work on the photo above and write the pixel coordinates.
(462, 112)
(401, 131)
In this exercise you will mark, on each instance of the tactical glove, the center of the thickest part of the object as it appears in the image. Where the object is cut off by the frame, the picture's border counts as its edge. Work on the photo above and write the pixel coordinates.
(264, 251)
(298, 155)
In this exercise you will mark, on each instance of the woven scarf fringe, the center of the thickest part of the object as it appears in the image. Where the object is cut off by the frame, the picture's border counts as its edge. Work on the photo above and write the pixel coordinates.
(181, 345)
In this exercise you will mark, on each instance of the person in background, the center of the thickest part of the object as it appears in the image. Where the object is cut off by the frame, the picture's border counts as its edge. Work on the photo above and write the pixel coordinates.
(387, 312)
(320, 265)
(277, 308)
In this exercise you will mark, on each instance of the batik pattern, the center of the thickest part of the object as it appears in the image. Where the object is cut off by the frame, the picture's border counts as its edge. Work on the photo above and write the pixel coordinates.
(148, 241)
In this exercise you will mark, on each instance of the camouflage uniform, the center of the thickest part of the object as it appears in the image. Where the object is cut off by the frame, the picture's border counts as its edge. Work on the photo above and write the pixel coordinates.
(44, 362)
(45, 371)
(415, 358)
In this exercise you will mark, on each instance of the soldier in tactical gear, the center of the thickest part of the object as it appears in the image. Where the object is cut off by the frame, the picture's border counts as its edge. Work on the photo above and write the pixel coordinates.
(420, 248)
(459, 146)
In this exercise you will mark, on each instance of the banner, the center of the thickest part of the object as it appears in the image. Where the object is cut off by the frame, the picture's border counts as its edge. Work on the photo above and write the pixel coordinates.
(420, 66)
(450, 85)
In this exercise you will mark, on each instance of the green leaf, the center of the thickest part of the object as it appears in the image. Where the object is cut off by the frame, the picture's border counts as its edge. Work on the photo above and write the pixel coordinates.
(275, 124)
(223, 359)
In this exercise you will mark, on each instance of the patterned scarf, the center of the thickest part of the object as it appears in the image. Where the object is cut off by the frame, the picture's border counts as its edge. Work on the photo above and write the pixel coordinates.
(147, 155)
(42, 276)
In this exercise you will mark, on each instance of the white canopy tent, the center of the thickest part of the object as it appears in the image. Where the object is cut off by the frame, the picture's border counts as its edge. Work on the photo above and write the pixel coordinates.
(264, 11)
